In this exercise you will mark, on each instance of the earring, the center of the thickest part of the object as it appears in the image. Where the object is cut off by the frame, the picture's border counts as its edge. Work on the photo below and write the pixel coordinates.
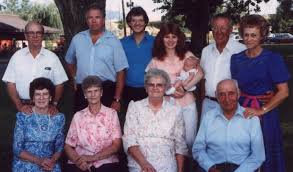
(85, 97)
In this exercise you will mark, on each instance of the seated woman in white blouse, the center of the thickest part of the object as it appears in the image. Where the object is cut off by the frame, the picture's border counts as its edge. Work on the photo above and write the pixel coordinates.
(154, 129)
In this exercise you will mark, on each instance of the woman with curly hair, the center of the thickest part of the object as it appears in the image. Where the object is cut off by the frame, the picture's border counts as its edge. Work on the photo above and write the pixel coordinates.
(258, 72)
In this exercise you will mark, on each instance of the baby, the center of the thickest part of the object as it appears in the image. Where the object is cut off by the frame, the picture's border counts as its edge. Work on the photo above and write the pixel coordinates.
(186, 75)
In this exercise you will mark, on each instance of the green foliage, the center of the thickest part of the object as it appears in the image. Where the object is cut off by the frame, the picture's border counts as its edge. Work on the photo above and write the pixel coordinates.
(12, 6)
(47, 15)
(235, 8)
(283, 20)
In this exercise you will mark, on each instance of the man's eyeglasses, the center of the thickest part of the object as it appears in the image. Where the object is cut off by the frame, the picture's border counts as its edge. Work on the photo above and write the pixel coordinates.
(153, 85)
(34, 34)
(221, 29)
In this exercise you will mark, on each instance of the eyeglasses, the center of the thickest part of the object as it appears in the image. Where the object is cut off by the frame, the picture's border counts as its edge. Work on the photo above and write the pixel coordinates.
(42, 95)
(137, 21)
(158, 85)
(34, 34)
(221, 29)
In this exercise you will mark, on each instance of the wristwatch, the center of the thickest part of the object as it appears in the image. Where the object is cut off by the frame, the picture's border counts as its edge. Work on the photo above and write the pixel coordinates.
(264, 109)
(116, 100)
(55, 103)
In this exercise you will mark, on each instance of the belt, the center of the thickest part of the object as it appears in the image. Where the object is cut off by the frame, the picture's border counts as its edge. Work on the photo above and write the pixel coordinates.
(226, 166)
(212, 98)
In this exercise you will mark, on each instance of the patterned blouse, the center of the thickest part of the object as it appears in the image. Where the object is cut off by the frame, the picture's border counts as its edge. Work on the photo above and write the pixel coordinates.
(90, 134)
(40, 135)
(159, 135)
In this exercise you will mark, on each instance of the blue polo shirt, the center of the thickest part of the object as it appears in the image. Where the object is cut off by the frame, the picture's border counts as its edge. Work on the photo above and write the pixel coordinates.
(138, 56)
(104, 58)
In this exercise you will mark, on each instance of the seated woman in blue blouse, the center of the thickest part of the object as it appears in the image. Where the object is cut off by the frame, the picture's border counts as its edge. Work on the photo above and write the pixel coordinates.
(38, 137)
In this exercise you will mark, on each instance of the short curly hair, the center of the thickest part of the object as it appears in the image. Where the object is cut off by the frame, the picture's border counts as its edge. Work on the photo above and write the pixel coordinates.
(42, 83)
(91, 81)
(255, 20)
(137, 11)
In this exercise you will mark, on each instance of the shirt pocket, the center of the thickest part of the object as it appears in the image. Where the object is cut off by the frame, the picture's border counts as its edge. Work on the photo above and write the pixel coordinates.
(47, 72)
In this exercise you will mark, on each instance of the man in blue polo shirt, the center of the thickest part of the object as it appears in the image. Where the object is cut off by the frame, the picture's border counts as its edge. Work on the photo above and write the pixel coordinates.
(97, 51)
(138, 50)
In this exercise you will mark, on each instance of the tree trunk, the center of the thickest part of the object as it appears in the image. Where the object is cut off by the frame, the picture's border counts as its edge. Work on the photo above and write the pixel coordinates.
(72, 15)
(198, 23)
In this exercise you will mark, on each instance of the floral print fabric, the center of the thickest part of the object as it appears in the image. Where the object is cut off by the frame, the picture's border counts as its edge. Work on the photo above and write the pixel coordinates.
(40, 135)
(159, 135)
(90, 134)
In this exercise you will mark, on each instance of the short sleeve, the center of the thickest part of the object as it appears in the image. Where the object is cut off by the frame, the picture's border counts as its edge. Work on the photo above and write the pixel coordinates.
(70, 54)
(179, 133)
(72, 135)
(233, 66)
(59, 141)
(18, 136)
(130, 127)
(10, 75)
(278, 70)
(151, 65)
(59, 72)
(116, 130)
(120, 60)
(202, 60)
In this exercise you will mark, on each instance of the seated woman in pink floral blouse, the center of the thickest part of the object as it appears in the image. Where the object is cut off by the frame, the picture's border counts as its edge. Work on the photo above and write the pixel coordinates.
(154, 129)
(94, 136)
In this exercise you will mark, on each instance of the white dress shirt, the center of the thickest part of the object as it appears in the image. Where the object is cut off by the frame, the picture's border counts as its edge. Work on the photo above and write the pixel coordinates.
(238, 140)
(216, 65)
(23, 68)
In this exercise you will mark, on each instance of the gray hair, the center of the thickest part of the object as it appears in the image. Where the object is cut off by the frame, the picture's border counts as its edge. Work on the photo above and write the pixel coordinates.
(235, 83)
(91, 81)
(157, 73)
(33, 23)
(222, 15)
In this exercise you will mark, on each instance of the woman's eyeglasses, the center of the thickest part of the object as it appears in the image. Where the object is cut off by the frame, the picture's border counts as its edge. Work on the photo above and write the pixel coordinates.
(155, 85)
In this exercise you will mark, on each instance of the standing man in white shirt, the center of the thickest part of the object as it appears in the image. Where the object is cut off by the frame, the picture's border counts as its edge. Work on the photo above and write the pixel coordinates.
(30, 63)
(215, 59)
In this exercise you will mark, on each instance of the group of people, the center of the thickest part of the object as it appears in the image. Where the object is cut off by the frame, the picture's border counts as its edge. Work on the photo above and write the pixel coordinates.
(241, 87)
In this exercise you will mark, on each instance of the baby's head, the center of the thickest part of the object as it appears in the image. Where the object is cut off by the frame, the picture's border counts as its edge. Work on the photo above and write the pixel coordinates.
(190, 63)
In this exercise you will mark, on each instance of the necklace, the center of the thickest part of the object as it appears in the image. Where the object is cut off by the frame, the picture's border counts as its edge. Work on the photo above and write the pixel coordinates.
(43, 127)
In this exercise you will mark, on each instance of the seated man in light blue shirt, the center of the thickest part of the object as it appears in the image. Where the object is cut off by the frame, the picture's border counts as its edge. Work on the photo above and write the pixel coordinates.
(97, 51)
(226, 140)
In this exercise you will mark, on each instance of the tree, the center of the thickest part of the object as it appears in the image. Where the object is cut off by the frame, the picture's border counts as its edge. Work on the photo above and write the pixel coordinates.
(47, 15)
(72, 15)
(283, 20)
(197, 14)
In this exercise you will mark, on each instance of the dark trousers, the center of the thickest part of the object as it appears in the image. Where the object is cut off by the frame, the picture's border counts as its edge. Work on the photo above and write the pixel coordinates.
(223, 167)
(109, 88)
(133, 93)
(111, 167)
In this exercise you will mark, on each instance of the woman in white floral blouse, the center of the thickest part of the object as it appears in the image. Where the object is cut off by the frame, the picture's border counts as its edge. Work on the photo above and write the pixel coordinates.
(154, 129)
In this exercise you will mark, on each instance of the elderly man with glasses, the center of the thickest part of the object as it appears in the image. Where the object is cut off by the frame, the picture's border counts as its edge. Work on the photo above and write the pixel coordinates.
(30, 63)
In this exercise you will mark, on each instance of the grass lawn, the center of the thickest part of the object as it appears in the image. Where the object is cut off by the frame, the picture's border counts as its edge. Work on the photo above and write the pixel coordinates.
(7, 115)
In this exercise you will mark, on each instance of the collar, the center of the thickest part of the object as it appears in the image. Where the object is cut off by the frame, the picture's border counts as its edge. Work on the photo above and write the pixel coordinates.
(229, 45)
(106, 34)
(27, 51)
(101, 113)
(145, 103)
(239, 112)
(146, 35)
